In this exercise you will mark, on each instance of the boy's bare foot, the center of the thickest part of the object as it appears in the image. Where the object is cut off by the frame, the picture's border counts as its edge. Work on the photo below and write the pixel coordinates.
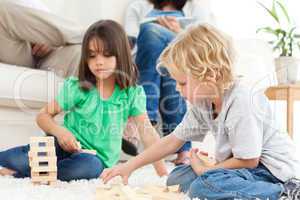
(6, 172)
(182, 158)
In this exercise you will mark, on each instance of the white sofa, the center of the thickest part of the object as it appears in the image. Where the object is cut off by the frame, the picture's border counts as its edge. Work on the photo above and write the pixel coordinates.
(24, 91)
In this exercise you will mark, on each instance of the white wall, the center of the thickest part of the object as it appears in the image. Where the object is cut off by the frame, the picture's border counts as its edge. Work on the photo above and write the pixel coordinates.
(241, 18)
(87, 12)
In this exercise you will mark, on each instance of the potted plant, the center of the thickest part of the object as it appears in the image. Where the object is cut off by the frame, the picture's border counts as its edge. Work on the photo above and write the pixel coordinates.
(285, 41)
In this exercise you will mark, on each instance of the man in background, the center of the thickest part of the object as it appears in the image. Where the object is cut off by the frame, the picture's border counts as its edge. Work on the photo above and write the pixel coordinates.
(31, 36)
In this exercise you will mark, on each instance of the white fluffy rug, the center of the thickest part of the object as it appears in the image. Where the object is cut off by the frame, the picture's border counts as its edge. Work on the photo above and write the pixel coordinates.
(22, 189)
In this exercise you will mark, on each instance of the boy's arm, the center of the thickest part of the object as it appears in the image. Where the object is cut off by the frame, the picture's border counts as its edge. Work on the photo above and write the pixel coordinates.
(155, 152)
(164, 147)
(232, 163)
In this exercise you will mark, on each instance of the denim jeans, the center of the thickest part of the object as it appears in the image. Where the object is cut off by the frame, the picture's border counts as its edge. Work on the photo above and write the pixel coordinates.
(226, 184)
(70, 166)
(162, 97)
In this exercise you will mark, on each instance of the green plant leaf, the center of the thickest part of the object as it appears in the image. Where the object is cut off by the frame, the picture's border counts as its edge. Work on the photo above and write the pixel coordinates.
(297, 35)
(290, 34)
(271, 12)
(275, 32)
(278, 44)
(284, 10)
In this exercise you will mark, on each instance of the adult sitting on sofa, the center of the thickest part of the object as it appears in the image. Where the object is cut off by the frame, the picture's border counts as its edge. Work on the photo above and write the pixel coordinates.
(36, 38)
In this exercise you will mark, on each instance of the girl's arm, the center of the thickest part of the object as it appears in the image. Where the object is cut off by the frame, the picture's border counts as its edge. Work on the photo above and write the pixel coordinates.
(45, 120)
(155, 152)
(148, 137)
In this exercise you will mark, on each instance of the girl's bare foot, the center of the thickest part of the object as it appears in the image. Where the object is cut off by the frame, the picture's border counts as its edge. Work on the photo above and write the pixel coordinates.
(182, 158)
(6, 172)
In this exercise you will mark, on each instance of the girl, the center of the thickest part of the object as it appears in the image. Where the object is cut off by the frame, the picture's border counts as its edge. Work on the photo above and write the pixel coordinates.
(253, 160)
(98, 104)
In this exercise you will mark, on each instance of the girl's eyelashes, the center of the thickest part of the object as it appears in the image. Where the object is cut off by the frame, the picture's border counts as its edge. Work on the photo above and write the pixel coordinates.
(92, 56)
(181, 84)
(105, 54)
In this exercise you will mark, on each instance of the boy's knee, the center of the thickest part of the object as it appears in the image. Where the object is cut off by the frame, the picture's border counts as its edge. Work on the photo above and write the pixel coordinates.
(172, 180)
(183, 173)
(198, 189)
(209, 184)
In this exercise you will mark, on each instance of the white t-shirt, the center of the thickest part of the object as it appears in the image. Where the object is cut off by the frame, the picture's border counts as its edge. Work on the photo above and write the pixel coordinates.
(138, 9)
(244, 129)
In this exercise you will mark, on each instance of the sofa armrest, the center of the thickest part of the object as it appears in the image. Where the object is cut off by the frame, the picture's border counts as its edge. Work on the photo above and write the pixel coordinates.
(27, 88)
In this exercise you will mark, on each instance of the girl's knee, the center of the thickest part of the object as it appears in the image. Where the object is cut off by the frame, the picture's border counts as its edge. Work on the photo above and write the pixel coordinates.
(87, 167)
(16, 159)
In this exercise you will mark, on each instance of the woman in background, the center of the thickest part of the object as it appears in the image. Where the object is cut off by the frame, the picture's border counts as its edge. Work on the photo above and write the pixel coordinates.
(155, 23)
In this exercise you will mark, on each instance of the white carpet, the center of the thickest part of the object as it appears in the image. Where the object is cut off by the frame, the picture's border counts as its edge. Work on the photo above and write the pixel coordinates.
(22, 189)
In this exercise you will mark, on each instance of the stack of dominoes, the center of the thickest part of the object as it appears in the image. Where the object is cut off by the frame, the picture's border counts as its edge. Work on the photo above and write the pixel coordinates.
(42, 160)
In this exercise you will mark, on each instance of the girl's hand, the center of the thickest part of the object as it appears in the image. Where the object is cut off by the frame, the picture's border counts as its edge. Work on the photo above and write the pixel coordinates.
(122, 170)
(170, 23)
(67, 141)
(199, 162)
(161, 169)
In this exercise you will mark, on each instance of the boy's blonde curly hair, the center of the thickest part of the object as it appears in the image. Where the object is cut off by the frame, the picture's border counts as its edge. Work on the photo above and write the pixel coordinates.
(203, 51)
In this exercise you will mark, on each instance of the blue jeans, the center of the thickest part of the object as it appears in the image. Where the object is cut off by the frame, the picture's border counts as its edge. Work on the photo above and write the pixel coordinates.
(70, 166)
(162, 97)
(226, 184)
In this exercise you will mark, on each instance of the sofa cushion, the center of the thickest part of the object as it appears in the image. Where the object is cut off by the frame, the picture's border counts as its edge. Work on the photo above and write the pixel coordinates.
(27, 88)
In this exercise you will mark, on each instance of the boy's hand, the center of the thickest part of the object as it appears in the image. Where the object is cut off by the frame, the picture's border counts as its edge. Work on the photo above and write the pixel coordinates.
(199, 162)
(68, 142)
(122, 170)
(170, 23)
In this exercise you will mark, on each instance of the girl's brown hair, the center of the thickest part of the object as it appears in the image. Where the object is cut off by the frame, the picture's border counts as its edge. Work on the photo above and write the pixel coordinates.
(115, 43)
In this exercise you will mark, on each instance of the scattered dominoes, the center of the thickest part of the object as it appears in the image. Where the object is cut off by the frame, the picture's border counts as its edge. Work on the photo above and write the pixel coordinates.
(121, 192)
